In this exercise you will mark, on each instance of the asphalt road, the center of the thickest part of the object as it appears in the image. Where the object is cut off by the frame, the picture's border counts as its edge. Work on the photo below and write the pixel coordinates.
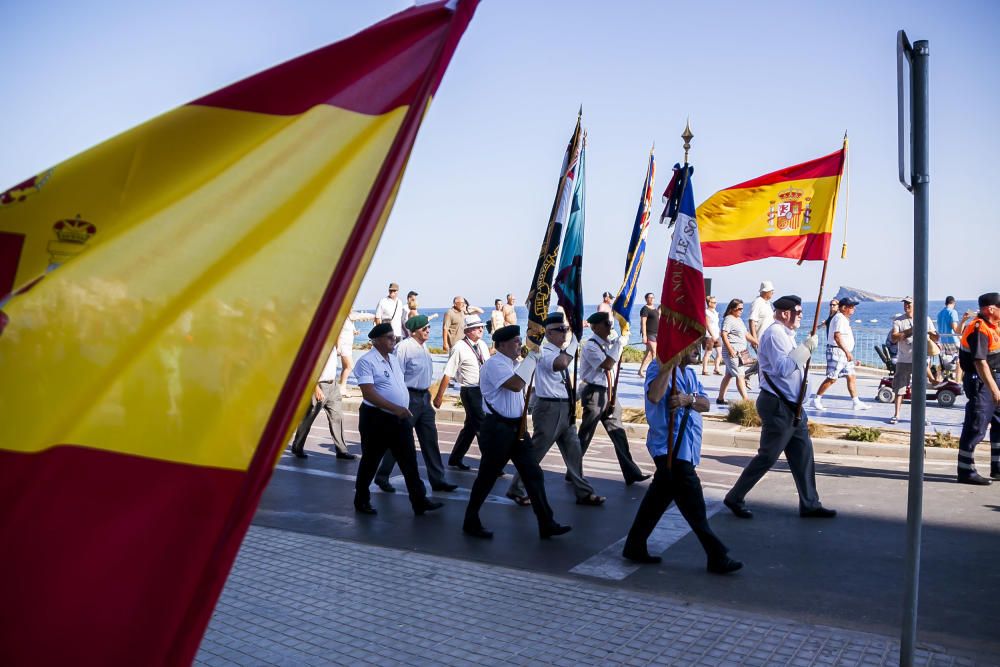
(846, 572)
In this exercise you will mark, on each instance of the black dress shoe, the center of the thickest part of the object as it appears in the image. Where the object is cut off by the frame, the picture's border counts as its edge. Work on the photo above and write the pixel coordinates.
(347, 456)
(364, 508)
(385, 486)
(641, 478)
(723, 565)
(739, 509)
(975, 479)
(474, 531)
(995, 475)
(447, 488)
(299, 454)
(592, 500)
(460, 466)
(553, 530)
(641, 557)
(427, 506)
(818, 513)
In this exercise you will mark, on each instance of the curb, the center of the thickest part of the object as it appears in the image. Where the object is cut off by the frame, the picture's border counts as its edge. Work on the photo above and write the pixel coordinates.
(726, 435)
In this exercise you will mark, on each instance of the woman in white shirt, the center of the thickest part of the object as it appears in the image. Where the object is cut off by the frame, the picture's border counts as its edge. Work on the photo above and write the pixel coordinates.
(711, 341)
(734, 341)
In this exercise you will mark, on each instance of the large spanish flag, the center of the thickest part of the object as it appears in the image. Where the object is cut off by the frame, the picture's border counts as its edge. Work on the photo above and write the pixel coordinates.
(167, 296)
(787, 213)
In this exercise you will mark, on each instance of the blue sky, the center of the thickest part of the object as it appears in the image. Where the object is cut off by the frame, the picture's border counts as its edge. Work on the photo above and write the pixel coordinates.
(765, 85)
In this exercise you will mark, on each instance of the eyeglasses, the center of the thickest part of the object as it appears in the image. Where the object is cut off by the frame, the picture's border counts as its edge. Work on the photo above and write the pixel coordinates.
(797, 311)
(426, 328)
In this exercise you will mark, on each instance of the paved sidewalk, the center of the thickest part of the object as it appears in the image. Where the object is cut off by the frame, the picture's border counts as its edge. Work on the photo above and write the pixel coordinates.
(295, 599)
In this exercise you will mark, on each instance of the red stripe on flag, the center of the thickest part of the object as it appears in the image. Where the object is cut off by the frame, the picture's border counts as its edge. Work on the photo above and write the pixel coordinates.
(829, 165)
(682, 313)
(139, 529)
(377, 70)
(727, 253)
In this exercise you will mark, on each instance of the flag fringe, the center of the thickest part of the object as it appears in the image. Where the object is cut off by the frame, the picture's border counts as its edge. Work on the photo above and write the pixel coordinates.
(683, 321)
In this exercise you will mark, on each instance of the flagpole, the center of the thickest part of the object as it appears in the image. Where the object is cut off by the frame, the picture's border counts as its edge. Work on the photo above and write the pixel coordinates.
(687, 136)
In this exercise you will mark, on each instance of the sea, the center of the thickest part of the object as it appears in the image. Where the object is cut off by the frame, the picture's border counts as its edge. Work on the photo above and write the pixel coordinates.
(871, 321)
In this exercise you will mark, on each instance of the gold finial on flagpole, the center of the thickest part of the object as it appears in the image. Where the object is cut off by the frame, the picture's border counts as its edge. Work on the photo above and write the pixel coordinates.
(687, 136)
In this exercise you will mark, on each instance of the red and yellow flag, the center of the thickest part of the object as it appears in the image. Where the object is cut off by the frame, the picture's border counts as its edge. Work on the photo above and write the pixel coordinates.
(164, 299)
(787, 213)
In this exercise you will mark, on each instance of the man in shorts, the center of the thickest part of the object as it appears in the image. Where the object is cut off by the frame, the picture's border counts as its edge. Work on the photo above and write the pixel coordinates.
(902, 335)
(840, 355)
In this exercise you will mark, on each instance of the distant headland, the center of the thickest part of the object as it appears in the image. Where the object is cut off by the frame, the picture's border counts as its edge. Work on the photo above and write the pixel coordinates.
(862, 296)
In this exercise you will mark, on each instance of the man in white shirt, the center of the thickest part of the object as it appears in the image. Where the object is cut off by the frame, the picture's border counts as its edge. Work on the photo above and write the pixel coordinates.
(902, 336)
(501, 438)
(598, 358)
(552, 417)
(463, 365)
(840, 355)
(418, 370)
(390, 309)
(326, 395)
(761, 312)
(782, 364)
(384, 422)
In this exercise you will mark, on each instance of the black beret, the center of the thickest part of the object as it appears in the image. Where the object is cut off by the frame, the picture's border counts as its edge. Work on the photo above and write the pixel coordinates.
(788, 302)
(504, 334)
(989, 299)
(599, 318)
(380, 330)
(847, 303)
(554, 319)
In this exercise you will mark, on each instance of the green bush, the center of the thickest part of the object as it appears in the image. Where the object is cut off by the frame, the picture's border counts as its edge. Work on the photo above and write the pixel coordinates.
(633, 355)
(941, 439)
(743, 413)
(863, 434)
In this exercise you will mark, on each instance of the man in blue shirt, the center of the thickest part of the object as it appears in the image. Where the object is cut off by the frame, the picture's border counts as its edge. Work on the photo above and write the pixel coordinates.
(949, 326)
(675, 479)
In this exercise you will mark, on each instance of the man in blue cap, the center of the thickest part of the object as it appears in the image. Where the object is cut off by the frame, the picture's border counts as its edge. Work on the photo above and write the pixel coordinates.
(418, 369)
(384, 422)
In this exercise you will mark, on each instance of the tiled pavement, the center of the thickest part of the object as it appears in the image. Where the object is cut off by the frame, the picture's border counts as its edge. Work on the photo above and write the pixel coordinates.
(295, 599)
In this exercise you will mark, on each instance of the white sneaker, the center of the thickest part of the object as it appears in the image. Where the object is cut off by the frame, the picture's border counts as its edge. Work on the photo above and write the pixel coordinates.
(858, 405)
(817, 403)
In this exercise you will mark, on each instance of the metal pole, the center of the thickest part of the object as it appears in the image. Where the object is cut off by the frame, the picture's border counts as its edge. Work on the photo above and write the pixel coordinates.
(921, 186)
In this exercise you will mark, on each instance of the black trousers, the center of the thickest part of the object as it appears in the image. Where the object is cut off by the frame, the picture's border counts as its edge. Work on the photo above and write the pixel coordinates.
(499, 443)
(423, 421)
(595, 400)
(380, 432)
(682, 486)
(980, 413)
(472, 401)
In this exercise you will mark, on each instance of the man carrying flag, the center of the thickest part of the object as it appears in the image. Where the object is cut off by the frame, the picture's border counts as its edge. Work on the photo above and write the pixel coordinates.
(675, 400)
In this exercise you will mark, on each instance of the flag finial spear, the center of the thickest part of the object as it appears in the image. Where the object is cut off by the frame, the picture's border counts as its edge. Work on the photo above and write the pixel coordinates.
(580, 113)
(687, 136)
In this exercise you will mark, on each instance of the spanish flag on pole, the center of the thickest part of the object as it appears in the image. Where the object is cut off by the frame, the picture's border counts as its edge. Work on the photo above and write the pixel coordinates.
(165, 299)
(787, 213)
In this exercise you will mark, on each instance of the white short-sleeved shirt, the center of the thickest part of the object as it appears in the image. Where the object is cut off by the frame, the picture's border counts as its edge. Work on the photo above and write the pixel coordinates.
(550, 383)
(498, 369)
(329, 373)
(711, 323)
(761, 312)
(905, 345)
(385, 374)
(776, 343)
(391, 310)
(463, 364)
(416, 362)
(840, 324)
(593, 353)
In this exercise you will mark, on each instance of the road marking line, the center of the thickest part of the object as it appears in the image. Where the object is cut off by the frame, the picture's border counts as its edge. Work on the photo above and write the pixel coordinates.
(609, 563)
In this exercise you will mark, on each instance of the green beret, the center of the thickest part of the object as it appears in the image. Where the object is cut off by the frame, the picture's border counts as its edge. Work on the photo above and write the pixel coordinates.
(380, 330)
(417, 322)
(504, 334)
(599, 318)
